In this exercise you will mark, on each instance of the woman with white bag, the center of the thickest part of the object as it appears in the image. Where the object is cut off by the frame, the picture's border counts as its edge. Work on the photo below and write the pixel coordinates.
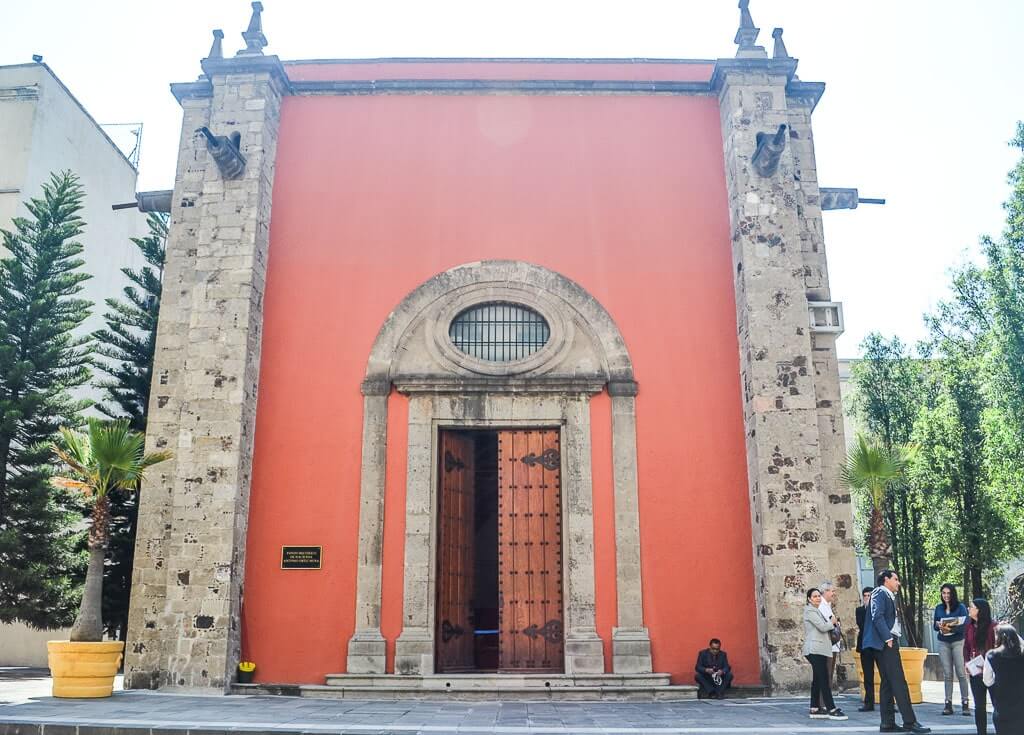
(979, 639)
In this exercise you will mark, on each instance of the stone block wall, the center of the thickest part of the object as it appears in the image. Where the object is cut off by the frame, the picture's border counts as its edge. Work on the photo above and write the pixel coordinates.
(184, 627)
(789, 378)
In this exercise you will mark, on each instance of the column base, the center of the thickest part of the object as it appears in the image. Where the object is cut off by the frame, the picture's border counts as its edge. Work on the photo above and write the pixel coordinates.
(366, 652)
(584, 653)
(631, 651)
(414, 652)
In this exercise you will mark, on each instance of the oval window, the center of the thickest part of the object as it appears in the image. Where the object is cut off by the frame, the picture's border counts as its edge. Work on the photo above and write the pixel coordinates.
(499, 331)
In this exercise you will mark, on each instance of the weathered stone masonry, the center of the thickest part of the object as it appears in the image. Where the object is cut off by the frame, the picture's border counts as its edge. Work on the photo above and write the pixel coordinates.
(190, 561)
(801, 522)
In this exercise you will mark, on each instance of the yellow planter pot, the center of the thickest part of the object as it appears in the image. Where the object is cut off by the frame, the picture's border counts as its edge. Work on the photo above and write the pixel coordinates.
(913, 669)
(83, 669)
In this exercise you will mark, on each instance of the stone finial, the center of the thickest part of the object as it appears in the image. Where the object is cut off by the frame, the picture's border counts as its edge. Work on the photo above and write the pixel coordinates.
(217, 49)
(780, 48)
(746, 34)
(255, 41)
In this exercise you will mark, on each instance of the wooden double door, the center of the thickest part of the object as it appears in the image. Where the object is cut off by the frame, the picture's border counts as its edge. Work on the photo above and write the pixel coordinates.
(499, 576)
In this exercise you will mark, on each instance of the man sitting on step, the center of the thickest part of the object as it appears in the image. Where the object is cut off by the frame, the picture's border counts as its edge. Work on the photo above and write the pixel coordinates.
(714, 675)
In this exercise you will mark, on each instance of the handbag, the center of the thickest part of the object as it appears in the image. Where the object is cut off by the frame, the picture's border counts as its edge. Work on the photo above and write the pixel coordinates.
(835, 635)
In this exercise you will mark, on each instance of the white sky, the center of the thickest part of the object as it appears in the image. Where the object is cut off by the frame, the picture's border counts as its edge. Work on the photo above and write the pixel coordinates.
(922, 95)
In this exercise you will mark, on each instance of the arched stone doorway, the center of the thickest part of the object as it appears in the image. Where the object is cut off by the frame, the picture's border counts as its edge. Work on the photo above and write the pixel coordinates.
(448, 389)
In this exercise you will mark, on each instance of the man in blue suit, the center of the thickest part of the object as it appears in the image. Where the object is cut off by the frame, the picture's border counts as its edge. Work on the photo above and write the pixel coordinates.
(882, 634)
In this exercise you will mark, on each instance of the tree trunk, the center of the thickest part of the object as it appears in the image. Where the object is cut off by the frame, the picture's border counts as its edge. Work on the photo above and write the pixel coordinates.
(89, 623)
(878, 542)
(5, 450)
(976, 590)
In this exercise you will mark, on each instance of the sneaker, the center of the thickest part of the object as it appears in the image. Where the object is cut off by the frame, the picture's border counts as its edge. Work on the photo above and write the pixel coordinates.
(966, 708)
(866, 708)
(837, 714)
(818, 714)
(948, 709)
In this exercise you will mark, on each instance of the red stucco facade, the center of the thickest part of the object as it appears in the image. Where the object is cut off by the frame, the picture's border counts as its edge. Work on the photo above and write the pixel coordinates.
(623, 194)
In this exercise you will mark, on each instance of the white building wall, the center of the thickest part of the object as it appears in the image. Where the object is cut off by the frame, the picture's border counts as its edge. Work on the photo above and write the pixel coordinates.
(51, 133)
(44, 129)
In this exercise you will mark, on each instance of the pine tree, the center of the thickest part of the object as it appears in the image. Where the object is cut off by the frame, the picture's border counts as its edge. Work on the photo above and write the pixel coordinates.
(40, 361)
(129, 343)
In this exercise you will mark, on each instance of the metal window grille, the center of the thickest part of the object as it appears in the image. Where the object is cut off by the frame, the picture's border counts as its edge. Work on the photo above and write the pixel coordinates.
(499, 332)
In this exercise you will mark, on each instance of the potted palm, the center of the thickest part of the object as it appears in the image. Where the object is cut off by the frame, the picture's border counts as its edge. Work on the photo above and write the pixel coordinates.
(108, 457)
(874, 469)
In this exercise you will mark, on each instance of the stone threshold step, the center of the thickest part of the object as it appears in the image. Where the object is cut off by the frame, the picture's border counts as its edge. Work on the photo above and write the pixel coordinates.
(501, 681)
(505, 693)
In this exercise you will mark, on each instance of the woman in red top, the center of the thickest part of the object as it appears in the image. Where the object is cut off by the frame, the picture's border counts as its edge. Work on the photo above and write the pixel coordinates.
(979, 639)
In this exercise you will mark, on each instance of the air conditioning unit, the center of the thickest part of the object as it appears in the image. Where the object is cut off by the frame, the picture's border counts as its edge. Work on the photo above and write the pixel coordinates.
(826, 316)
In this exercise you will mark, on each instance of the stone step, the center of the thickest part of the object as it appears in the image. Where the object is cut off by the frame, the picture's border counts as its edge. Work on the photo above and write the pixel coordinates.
(610, 693)
(460, 682)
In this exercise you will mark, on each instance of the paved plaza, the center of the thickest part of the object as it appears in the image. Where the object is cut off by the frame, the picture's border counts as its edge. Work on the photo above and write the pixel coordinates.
(27, 709)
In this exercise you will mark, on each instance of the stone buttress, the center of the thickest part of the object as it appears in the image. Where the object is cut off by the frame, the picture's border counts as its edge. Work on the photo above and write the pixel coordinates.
(184, 627)
(801, 520)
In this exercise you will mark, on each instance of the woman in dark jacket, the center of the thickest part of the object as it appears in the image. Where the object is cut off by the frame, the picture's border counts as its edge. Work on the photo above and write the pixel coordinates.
(951, 646)
(1004, 676)
(979, 639)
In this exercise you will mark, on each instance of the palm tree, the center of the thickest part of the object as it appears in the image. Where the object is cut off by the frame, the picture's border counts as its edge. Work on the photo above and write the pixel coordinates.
(109, 457)
(870, 466)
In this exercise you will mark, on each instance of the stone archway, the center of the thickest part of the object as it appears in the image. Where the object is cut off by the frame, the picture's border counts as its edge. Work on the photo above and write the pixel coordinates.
(584, 355)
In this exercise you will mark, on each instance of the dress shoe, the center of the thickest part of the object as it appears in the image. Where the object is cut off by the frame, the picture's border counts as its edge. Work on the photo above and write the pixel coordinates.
(866, 708)
(891, 728)
(917, 728)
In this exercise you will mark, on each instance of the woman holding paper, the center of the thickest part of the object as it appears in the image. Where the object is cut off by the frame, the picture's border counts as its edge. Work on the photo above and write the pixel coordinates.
(979, 639)
(950, 620)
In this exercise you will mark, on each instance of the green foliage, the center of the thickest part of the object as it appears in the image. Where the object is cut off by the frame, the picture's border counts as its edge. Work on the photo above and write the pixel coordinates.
(972, 524)
(129, 341)
(971, 461)
(959, 514)
(107, 458)
(888, 387)
(40, 361)
(889, 391)
(873, 467)
(1004, 278)
(128, 344)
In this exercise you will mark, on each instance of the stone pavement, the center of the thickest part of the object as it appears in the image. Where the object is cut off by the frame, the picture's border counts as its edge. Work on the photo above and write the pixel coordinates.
(26, 709)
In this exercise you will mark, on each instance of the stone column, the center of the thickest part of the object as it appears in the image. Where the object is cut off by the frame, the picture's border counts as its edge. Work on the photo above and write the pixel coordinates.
(631, 643)
(414, 648)
(366, 647)
(790, 543)
(184, 627)
(584, 651)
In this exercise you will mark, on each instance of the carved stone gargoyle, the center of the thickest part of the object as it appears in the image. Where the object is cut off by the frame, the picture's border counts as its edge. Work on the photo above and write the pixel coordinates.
(769, 150)
(225, 152)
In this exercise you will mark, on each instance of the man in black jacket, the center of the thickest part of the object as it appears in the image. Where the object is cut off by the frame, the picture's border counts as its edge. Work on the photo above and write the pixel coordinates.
(867, 655)
(714, 675)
